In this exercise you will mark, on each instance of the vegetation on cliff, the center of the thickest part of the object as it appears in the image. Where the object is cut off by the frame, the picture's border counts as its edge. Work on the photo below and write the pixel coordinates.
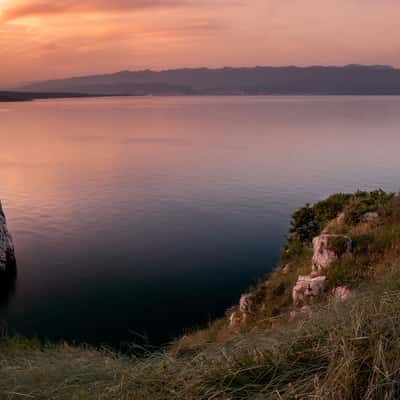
(339, 349)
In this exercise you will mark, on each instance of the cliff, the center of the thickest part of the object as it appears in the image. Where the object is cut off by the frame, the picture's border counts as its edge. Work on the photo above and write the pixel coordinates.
(325, 324)
(7, 253)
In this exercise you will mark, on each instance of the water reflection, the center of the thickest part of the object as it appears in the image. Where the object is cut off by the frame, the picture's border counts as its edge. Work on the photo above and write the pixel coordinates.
(153, 215)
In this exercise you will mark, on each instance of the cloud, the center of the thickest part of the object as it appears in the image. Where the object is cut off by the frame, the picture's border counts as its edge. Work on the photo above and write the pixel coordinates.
(32, 8)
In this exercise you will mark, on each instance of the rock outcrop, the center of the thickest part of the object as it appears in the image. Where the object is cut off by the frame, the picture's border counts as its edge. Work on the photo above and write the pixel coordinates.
(329, 248)
(246, 304)
(239, 315)
(370, 217)
(235, 318)
(7, 253)
(341, 293)
(307, 289)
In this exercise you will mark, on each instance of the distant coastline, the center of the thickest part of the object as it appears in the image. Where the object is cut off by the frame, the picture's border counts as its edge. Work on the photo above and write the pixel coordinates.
(11, 96)
(29, 97)
(290, 80)
(348, 80)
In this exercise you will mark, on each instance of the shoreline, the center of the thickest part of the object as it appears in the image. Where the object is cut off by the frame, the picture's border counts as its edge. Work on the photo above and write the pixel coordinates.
(20, 97)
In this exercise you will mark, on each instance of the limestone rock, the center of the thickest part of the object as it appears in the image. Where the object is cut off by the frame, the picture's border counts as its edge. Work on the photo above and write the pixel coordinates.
(247, 307)
(329, 248)
(235, 318)
(7, 253)
(314, 274)
(341, 293)
(370, 217)
(307, 288)
(246, 304)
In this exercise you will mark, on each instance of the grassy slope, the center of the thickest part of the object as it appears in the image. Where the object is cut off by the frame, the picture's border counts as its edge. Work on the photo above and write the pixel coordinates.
(348, 350)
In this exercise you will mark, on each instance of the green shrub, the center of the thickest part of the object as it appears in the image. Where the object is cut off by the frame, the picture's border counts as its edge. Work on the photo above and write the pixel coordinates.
(348, 271)
(309, 221)
(364, 202)
(304, 225)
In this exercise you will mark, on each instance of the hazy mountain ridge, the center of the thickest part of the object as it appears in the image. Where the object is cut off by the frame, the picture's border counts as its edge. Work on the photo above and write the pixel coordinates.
(350, 79)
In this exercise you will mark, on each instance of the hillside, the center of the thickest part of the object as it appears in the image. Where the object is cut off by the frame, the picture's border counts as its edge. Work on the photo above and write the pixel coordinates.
(324, 325)
(351, 79)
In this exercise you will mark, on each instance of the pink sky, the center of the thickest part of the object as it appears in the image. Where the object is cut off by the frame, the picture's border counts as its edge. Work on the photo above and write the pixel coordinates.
(45, 39)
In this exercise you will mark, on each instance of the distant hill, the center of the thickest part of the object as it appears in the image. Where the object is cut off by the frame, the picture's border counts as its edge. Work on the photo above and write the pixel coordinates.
(28, 96)
(350, 79)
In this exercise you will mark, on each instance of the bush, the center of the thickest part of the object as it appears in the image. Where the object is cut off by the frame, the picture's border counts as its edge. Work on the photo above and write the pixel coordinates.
(364, 202)
(309, 221)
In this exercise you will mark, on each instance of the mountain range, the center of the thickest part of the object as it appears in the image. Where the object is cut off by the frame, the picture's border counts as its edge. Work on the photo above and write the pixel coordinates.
(317, 80)
(314, 80)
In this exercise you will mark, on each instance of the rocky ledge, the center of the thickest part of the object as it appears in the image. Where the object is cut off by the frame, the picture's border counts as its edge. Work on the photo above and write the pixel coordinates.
(326, 249)
(7, 252)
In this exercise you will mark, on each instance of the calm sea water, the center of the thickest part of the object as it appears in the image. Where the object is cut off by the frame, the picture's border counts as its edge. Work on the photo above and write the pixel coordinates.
(150, 216)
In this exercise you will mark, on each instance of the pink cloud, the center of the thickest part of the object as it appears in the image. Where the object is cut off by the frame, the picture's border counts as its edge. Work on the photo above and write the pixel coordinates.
(47, 7)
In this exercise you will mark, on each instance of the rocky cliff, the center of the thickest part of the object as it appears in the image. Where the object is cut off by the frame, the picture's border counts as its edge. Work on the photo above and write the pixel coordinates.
(7, 252)
(326, 257)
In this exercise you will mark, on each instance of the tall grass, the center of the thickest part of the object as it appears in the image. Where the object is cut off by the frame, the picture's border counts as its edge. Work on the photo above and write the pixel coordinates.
(348, 350)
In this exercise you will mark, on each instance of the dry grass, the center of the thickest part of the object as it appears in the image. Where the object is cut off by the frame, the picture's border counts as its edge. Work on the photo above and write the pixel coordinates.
(346, 351)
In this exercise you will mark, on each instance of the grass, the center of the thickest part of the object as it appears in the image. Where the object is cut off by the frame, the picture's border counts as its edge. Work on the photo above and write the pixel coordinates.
(347, 350)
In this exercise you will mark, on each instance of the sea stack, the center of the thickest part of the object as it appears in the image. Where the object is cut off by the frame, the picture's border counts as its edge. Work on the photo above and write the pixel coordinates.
(7, 252)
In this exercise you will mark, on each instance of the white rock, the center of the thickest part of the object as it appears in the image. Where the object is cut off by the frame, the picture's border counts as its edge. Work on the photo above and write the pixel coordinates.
(7, 253)
(246, 304)
(235, 319)
(307, 288)
(370, 217)
(341, 293)
(329, 248)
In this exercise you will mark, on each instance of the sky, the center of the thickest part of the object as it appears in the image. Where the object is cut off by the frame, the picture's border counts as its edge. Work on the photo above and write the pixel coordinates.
(48, 39)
